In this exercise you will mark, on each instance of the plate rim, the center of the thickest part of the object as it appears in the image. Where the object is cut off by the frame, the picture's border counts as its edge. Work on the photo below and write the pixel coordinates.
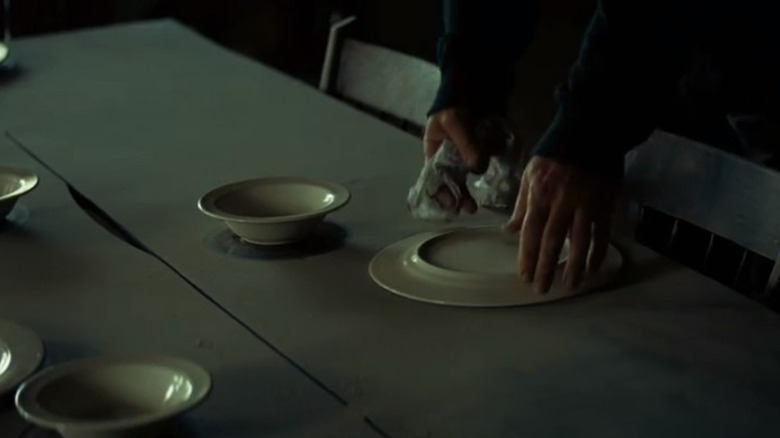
(400, 249)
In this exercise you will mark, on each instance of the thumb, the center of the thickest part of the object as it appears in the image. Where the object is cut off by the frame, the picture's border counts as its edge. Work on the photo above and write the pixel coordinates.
(458, 129)
(433, 138)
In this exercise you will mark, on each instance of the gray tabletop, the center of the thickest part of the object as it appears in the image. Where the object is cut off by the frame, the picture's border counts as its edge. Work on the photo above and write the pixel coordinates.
(143, 119)
(86, 293)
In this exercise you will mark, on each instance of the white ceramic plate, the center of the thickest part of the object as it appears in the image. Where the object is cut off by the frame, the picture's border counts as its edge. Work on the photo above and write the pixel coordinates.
(275, 210)
(13, 184)
(114, 396)
(21, 353)
(473, 267)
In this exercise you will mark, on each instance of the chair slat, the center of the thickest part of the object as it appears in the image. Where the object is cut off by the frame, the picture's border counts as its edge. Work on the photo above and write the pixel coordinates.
(385, 80)
(715, 190)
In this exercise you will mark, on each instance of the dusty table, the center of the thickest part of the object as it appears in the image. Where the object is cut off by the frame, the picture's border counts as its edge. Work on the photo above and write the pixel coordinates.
(87, 293)
(145, 118)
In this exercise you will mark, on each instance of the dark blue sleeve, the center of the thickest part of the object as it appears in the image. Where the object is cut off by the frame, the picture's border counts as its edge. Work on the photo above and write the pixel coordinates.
(630, 62)
(482, 40)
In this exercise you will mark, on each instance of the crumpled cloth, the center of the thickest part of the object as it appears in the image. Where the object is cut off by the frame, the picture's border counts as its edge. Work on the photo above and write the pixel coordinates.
(444, 177)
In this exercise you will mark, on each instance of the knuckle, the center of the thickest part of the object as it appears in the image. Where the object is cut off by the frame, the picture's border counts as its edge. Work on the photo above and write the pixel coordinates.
(472, 161)
(448, 117)
(539, 190)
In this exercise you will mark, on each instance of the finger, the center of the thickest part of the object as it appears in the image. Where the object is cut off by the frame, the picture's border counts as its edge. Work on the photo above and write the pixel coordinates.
(531, 231)
(580, 237)
(554, 236)
(600, 244)
(433, 137)
(468, 204)
(444, 198)
(515, 222)
(457, 129)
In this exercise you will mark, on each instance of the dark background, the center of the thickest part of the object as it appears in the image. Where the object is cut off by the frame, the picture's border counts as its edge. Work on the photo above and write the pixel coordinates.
(287, 34)
(291, 35)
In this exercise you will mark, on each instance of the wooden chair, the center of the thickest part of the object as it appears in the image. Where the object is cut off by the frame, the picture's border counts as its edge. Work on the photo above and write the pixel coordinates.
(377, 78)
(732, 202)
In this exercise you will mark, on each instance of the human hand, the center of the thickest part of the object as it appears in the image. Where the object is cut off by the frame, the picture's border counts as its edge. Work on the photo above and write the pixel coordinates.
(475, 143)
(557, 200)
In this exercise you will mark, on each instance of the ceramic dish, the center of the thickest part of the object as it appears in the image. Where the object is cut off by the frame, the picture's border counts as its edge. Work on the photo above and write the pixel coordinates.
(21, 353)
(3, 53)
(13, 184)
(475, 267)
(112, 397)
(274, 211)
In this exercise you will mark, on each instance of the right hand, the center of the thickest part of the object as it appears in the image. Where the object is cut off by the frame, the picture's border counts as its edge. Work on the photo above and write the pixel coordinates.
(557, 200)
(459, 127)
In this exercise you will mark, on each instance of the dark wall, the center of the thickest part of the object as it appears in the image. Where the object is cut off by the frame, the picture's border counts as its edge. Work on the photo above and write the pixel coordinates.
(287, 34)
(405, 25)
(291, 35)
(546, 65)
(30, 17)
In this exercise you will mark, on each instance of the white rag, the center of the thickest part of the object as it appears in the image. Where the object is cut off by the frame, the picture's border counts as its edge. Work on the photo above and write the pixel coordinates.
(447, 172)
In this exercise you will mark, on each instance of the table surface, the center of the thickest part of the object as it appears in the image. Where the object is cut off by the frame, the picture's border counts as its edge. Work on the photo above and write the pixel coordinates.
(86, 293)
(145, 118)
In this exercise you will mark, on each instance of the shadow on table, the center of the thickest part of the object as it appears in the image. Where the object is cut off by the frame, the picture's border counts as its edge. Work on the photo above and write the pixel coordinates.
(227, 427)
(7, 403)
(327, 237)
(14, 220)
(175, 429)
(10, 74)
(637, 270)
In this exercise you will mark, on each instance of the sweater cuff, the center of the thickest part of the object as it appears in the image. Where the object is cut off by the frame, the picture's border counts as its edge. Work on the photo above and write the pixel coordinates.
(580, 141)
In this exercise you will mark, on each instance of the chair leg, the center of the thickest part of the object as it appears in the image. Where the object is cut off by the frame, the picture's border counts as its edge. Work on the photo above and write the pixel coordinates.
(710, 244)
(673, 234)
(741, 266)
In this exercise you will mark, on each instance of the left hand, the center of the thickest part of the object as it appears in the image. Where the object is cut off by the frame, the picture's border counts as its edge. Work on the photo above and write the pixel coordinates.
(475, 140)
(557, 200)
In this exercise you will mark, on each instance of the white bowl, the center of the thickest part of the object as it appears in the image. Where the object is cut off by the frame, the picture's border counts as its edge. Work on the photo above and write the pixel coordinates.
(112, 397)
(3, 52)
(274, 211)
(21, 353)
(13, 184)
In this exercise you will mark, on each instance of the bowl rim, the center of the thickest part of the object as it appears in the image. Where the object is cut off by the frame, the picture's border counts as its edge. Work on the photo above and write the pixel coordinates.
(27, 394)
(27, 352)
(207, 203)
(28, 178)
